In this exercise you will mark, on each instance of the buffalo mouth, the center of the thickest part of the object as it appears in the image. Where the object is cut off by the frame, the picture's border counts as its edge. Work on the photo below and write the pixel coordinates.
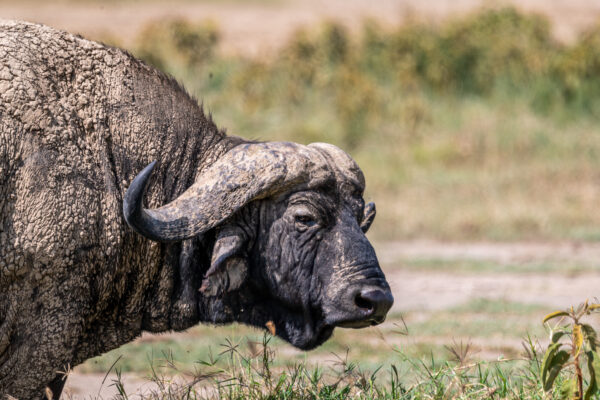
(362, 319)
(359, 323)
(308, 326)
(311, 329)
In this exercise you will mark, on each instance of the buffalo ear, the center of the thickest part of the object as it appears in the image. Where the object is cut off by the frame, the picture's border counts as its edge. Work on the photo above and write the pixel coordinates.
(228, 268)
(368, 217)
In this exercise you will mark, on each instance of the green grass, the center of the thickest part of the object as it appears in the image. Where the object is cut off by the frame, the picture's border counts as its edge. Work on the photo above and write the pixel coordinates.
(239, 373)
(447, 325)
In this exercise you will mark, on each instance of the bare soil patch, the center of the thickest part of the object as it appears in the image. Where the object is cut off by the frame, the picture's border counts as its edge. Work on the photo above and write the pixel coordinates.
(434, 290)
(440, 290)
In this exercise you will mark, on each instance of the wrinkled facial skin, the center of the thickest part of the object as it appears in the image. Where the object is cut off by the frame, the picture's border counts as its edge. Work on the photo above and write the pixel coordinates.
(312, 268)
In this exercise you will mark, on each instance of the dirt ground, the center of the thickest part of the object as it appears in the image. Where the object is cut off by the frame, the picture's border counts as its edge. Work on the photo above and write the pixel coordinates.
(256, 27)
(431, 290)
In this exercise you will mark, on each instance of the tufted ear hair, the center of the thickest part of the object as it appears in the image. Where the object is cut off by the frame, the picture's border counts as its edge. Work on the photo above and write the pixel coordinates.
(368, 217)
(228, 267)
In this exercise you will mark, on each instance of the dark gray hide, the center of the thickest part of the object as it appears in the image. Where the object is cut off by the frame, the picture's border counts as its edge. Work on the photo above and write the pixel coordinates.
(233, 231)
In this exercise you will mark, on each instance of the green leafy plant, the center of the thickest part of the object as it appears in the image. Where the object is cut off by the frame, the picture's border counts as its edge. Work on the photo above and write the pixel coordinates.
(570, 346)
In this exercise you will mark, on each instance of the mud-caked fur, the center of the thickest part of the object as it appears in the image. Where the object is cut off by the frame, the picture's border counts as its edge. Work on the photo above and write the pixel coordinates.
(78, 122)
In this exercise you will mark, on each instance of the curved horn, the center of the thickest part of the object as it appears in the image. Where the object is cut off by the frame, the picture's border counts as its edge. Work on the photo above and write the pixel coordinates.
(245, 173)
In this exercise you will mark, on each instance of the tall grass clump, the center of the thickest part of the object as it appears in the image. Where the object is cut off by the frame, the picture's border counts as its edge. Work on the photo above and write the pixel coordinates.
(473, 54)
(360, 80)
(177, 44)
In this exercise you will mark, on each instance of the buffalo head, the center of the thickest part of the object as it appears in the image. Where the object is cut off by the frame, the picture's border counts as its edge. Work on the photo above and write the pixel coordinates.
(286, 226)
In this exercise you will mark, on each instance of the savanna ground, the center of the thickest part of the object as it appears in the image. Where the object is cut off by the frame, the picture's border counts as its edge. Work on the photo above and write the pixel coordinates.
(478, 131)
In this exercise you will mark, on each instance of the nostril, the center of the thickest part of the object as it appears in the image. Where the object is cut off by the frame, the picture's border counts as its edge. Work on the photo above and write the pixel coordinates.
(376, 301)
(363, 303)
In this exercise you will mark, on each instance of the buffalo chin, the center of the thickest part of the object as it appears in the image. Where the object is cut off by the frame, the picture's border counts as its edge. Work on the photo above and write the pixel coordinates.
(306, 328)
(300, 331)
(305, 339)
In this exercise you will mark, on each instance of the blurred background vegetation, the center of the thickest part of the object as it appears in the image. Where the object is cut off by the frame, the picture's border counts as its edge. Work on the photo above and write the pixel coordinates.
(480, 127)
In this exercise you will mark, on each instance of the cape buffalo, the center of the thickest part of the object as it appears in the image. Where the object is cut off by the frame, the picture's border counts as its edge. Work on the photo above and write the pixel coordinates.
(260, 233)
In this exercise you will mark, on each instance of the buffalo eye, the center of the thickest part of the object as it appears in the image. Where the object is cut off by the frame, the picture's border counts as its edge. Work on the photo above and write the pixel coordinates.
(304, 220)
